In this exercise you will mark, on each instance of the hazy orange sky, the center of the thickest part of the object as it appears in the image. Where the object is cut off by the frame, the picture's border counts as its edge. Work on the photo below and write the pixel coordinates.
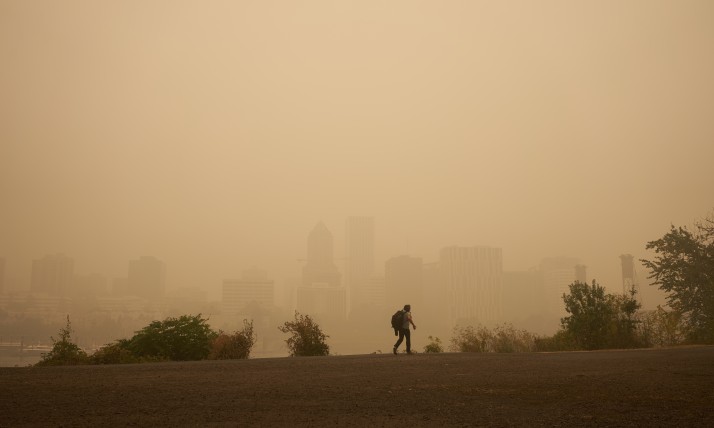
(215, 134)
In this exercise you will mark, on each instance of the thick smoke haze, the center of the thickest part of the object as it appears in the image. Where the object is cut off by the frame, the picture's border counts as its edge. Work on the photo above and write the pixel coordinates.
(215, 135)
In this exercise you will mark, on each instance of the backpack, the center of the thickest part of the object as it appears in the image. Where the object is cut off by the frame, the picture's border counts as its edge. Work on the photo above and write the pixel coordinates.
(398, 320)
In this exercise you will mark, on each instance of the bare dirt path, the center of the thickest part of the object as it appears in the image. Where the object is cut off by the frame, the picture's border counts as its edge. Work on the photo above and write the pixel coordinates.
(665, 387)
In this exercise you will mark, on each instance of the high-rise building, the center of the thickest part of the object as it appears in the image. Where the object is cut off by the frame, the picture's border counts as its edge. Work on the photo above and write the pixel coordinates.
(147, 278)
(403, 277)
(359, 263)
(473, 277)
(52, 275)
(581, 274)
(323, 302)
(558, 273)
(321, 293)
(320, 267)
(629, 282)
(253, 289)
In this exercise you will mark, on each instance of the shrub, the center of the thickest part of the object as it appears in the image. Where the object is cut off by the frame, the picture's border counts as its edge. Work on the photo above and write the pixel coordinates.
(506, 338)
(187, 337)
(307, 339)
(661, 328)
(470, 339)
(560, 341)
(114, 353)
(434, 345)
(503, 339)
(233, 346)
(64, 352)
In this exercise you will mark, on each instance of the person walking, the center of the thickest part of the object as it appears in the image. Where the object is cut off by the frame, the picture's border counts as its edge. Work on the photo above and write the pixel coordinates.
(404, 330)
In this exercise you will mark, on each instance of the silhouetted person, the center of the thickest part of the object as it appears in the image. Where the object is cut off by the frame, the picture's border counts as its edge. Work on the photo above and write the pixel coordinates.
(404, 330)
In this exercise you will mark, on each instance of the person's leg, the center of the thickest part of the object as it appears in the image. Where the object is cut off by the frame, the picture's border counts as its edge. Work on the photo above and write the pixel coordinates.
(399, 341)
(408, 335)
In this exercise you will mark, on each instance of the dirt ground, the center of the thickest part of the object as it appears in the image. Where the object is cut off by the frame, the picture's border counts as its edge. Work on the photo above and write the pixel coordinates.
(663, 387)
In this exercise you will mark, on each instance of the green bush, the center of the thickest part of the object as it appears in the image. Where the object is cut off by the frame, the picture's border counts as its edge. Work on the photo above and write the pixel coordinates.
(307, 339)
(185, 338)
(434, 346)
(64, 352)
(233, 346)
(560, 341)
(114, 353)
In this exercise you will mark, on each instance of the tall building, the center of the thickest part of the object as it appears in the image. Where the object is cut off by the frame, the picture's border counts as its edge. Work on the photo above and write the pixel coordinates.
(52, 275)
(253, 289)
(581, 274)
(558, 273)
(359, 252)
(147, 277)
(473, 278)
(629, 281)
(404, 281)
(321, 293)
(320, 267)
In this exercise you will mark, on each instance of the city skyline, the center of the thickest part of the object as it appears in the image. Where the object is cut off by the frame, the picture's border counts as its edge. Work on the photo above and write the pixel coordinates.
(213, 137)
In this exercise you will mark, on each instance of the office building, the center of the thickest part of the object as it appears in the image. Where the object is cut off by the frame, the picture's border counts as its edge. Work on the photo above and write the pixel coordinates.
(472, 277)
(254, 290)
(147, 277)
(359, 253)
(52, 275)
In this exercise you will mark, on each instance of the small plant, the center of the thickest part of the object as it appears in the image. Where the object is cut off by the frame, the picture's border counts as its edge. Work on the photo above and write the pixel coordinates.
(64, 352)
(307, 339)
(233, 346)
(434, 345)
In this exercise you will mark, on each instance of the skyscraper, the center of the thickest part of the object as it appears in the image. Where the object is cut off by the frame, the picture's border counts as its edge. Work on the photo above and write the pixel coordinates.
(147, 278)
(321, 293)
(254, 288)
(558, 274)
(320, 267)
(52, 275)
(403, 277)
(473, 278)
(359, 251)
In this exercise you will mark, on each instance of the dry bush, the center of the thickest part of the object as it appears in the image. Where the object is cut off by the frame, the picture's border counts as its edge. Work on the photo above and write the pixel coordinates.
(233, 346)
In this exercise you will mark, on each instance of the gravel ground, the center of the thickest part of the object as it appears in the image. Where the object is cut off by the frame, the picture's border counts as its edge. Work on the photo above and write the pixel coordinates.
(662, 387)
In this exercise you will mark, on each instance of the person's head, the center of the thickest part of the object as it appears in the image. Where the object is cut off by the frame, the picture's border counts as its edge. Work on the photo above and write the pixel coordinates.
(407, 308)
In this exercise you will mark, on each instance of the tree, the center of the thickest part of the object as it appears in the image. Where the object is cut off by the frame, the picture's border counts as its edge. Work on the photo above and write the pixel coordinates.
(599, 320)
(187, 337)
(307, 338)
(64, 352)
(684, 268)
(233, 346)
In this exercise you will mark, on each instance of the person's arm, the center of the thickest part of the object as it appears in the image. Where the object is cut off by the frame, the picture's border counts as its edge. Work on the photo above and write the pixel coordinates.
(411, 321)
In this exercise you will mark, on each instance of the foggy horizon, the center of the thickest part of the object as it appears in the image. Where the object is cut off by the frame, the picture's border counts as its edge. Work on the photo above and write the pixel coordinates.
(215, 136)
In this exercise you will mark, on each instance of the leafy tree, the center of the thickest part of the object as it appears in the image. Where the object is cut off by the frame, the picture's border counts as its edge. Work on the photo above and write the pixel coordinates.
(307, 339)
(599, 320)
(233, 346)
(434, 345)
(187, 337)
(684, 268)
(64, 352)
